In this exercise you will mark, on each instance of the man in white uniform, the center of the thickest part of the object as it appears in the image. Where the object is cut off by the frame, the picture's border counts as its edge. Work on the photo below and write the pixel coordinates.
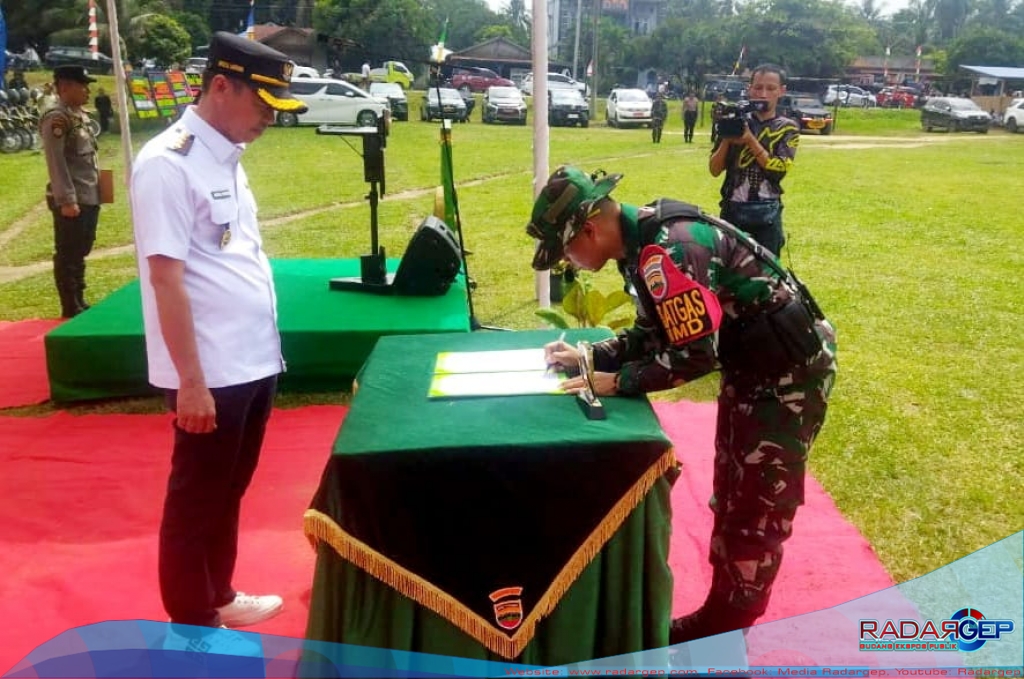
(211, 323)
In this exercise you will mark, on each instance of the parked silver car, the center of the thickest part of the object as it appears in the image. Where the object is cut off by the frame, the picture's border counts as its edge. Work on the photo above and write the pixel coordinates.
(505, 104)
(849, 95)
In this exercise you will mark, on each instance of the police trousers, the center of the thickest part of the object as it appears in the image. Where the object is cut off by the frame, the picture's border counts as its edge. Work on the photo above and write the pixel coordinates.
(763, 435)
(73, 238)
(209, 475)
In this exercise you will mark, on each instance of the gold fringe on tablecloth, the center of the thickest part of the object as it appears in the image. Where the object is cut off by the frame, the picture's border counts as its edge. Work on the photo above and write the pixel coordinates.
(320, 527)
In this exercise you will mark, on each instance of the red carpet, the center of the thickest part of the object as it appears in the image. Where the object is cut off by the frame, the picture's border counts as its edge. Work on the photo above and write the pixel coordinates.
(80, 501)
(826, 562)
(23, 362)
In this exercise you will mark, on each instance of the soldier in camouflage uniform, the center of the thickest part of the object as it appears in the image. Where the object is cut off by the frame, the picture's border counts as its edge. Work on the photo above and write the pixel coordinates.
(774, 382)
(69, 143)
(659, 111)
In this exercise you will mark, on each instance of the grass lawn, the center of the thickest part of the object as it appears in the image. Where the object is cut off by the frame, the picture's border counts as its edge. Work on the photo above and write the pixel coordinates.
(910, 242)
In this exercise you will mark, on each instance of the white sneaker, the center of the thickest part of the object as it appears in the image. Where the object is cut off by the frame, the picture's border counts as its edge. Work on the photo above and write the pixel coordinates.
(199, 641)
(249, 609)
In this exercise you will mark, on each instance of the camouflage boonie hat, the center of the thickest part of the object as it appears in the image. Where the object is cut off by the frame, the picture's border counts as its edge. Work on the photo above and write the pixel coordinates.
(562, 208)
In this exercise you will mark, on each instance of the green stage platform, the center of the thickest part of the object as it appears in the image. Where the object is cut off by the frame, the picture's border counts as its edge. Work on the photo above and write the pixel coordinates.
(326, 335)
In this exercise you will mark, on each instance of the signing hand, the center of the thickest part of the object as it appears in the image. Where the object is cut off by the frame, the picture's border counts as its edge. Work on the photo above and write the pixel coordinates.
(604, 384)
(561, 353)
(196, 411)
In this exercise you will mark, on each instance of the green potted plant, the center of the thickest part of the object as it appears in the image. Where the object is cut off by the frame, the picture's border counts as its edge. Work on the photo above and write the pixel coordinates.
(588, 307)
(562, 275)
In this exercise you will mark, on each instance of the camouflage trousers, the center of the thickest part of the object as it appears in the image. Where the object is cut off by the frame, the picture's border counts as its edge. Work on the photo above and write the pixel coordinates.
(764, 432)
(657, 125)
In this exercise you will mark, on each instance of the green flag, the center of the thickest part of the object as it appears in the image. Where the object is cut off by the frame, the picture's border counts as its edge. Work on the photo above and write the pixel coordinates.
(447, 181)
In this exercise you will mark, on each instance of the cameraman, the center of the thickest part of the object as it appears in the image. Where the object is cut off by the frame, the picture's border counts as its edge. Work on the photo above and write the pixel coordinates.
(756, 160)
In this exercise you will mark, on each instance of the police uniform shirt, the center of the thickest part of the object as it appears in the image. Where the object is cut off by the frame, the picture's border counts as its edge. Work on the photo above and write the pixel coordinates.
(191, 202)
(71, 156)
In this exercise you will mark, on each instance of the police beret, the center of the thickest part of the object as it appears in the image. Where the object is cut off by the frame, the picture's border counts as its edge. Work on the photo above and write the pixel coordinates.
(264, 69)
(72, 72)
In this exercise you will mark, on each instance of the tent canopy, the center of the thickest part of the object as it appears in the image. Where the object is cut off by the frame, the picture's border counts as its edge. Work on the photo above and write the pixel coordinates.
(999, 72)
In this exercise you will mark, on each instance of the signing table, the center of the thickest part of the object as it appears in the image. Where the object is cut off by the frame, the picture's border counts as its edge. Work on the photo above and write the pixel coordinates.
(492, 528)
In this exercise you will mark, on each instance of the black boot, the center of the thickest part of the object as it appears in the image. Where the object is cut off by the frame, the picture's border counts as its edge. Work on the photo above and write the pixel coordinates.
(707, 621)
(64, 279)
(80, 288)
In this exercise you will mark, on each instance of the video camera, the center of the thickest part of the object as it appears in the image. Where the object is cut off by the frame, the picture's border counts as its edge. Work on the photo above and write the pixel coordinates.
(732, 117)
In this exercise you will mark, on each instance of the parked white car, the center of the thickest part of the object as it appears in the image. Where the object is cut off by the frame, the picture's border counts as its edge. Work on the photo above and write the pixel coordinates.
(628, 107)
(304, 72)
(849, 95)
(1013, 118)
(335, 102)
(554, 80)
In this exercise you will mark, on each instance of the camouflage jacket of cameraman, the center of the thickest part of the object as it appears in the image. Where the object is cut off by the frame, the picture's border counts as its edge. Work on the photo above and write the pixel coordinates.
(745, 180)
(745, 286)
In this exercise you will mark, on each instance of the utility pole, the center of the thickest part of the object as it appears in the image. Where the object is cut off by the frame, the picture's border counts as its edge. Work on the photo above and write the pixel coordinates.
(576, 51)
(593, 88)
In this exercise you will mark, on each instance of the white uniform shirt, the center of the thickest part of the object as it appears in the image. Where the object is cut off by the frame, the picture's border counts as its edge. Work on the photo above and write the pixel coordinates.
(188, 191)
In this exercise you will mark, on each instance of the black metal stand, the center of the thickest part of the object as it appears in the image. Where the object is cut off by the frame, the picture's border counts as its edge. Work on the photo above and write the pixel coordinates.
(373, 275)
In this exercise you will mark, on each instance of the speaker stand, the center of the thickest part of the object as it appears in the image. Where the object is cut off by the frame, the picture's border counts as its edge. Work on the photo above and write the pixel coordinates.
(373, 276)
(373, 273)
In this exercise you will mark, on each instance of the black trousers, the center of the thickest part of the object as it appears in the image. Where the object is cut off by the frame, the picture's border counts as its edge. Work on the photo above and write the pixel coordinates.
(209, 475)
(73, 238)
(689, 122)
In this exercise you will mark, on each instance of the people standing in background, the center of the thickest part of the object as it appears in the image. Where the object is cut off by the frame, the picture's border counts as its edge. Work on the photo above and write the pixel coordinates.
(104, 109)
(659, 111)
(366, 75)
(689, 116)
(47, 100)
(72, 194)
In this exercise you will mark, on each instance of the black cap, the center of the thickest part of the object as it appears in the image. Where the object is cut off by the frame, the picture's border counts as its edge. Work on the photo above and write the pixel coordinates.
(72, 72)
(264, 69)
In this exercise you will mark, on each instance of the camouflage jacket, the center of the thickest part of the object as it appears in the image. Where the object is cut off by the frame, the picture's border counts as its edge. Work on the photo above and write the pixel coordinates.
(745, 286)
(71, 156)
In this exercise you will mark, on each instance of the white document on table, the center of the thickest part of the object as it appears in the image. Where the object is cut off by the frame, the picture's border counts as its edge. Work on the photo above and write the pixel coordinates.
(516, 383)
(511, 360)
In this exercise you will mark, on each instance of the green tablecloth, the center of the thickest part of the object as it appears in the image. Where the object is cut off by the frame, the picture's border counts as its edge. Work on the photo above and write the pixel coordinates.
(325, 334)
(499, 527)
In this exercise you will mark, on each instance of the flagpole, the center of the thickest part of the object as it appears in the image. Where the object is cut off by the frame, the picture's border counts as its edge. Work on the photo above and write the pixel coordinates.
(542, 279)
(739, 59)
(120, 91)
(94, 32)
(250, 25)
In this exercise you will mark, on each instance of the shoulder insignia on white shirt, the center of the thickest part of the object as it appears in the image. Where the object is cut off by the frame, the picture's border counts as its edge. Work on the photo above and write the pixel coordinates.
(182, 143)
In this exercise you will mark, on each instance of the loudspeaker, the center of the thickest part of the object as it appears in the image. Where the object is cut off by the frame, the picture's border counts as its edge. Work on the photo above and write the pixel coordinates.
(430, 263)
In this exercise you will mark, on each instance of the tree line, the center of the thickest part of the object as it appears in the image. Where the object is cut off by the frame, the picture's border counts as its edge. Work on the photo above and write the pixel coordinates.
(810, 38)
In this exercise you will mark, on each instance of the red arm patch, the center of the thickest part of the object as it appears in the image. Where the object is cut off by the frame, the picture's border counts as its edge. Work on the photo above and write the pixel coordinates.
(686, 309)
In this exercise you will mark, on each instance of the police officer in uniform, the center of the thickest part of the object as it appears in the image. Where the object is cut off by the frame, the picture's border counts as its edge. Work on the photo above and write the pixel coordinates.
(69, 144)
(210, 317)
(709, 297)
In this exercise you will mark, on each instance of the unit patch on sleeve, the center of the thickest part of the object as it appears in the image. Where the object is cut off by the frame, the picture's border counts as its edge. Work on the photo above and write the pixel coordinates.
(686, 309)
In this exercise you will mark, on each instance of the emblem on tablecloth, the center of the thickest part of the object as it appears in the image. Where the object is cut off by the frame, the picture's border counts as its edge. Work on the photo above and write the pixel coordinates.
(508, 607)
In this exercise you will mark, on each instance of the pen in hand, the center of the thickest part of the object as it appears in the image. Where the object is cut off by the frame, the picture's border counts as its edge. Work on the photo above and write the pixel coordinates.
(551, 366)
